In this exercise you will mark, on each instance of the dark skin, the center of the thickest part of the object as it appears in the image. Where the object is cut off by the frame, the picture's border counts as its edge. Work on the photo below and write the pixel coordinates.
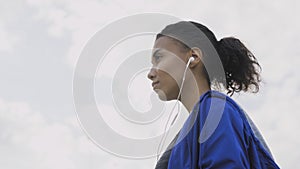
(169, 61)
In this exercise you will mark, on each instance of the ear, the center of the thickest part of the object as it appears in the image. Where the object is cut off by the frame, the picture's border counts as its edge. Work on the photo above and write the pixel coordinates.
(196, 53)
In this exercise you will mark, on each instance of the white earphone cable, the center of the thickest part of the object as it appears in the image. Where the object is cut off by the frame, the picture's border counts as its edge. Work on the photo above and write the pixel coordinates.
(180, 90)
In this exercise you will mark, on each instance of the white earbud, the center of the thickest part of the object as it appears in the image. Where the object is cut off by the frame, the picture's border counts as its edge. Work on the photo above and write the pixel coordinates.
(191, 59)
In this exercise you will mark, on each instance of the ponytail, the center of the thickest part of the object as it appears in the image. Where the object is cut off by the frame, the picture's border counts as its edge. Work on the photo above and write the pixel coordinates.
(240, 66)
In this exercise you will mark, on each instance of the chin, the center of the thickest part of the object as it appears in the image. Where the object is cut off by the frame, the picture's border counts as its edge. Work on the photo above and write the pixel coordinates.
(164, 96)
(161, 94)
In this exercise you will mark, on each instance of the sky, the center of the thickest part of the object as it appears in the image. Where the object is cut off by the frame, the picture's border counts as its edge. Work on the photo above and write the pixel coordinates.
(41, 41)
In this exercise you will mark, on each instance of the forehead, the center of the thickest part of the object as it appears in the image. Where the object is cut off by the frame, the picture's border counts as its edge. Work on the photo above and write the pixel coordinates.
(165, 42)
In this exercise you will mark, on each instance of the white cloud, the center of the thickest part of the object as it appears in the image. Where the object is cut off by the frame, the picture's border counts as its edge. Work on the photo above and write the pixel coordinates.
(28, 140)
(8, 40)
(39, 144)
(79, 18)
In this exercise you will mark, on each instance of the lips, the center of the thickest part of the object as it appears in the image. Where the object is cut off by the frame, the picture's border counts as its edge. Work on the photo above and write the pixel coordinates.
(154, 84)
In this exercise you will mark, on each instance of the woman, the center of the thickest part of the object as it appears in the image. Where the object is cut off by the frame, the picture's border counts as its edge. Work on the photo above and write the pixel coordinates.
(217, 133)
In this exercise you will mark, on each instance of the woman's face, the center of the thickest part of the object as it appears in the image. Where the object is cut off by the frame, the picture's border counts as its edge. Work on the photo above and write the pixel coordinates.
(168, 60)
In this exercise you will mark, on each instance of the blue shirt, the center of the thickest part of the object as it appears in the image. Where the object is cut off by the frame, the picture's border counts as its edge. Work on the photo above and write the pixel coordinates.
(218, 135)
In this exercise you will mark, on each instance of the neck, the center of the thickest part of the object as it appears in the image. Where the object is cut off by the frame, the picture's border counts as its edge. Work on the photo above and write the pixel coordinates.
(191, 92)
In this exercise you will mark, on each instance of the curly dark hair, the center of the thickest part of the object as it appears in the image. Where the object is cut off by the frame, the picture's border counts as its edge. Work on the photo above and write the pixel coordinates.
(241, 67)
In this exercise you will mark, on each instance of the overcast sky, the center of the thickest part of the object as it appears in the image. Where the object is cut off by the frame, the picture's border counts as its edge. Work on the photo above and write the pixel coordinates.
(40, 41)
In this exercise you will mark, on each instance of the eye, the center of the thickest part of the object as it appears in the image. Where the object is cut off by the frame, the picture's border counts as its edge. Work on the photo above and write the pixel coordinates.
(157, 57)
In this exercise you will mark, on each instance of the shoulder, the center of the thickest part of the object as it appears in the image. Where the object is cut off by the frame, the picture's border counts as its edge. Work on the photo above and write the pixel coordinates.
(219, 114)
(214, 101)
(223, 140)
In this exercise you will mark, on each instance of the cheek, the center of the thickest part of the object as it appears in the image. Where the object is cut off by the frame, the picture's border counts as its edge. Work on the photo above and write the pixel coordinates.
(173, 73)
(168, 83)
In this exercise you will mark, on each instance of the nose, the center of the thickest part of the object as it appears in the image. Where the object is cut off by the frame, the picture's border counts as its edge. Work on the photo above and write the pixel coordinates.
(152, 73)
